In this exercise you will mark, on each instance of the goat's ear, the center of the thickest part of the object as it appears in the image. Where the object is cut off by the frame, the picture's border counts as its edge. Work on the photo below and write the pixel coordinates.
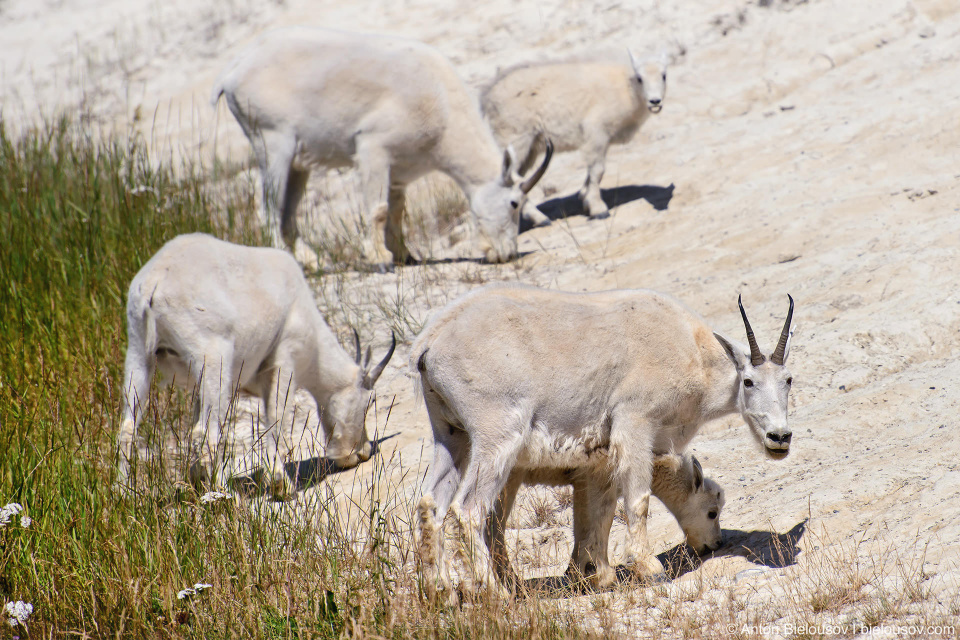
(697, 474)
(633, 62)
(664, 57)
(739, 355)
(509, 166)
(786, 351)
(670, 463)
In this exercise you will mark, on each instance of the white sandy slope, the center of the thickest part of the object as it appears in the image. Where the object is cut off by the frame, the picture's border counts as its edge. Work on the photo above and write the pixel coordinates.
(813, 148)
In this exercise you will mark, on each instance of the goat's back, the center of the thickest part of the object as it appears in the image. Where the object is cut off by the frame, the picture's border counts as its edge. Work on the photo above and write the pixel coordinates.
(556, 98)
(565, 353)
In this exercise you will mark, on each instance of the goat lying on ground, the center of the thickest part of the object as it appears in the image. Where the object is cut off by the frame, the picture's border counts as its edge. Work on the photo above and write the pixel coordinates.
(520, 379)
(394, 108)
(585, 106)
(226, 317)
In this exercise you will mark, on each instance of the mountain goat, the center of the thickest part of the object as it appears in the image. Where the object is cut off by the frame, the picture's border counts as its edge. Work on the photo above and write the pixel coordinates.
(394, 108)
(577, 105)
(678, 482)
(534, 381)
(226, 317)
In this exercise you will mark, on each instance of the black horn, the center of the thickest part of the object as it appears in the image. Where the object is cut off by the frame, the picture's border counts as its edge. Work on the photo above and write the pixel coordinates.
(371, 378)
(528, 184)
(756, 358)
(356, 342)
(780, 351)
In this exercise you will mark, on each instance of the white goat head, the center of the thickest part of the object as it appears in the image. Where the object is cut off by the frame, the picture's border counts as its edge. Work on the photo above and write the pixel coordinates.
(651, 76)
(694, 500)
(764, 387)
(496, 206)
(344, 417)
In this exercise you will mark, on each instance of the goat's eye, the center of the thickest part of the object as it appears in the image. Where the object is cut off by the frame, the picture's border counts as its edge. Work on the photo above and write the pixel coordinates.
(664, 77)
(639, 80)
(748, 382)
(789, 381)
(712, 515)
(514, 204)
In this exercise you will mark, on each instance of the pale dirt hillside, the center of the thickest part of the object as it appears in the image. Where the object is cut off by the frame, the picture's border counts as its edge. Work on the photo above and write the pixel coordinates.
(805, 147)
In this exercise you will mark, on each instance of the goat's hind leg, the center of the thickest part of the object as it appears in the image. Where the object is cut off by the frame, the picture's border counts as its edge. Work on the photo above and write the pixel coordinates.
(594, 152)
(208, 454)
(138, 372)
(491, 461)
(450, 452)
(528, 149)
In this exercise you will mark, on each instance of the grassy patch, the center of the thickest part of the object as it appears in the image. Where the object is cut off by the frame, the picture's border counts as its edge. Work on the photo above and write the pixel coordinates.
(79, 216)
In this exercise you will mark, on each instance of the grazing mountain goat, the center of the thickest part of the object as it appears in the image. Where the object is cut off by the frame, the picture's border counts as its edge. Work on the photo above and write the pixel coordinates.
(394, 108)
(227, 317)
(520, 379)
(577, 105)
(678, 482)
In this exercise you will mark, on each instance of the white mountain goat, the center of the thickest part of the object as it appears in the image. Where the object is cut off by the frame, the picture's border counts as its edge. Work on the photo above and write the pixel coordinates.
(678, 482)
(394, 108)
(520, 378)
(577, 105)
(227, 317)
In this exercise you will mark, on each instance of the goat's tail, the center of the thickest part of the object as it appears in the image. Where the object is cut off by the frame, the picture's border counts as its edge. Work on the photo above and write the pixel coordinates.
(141, 320)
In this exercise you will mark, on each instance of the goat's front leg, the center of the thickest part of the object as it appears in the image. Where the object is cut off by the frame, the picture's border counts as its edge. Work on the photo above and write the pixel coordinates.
(632, 445)
(496, 528)
(594, 507)
(278, 388)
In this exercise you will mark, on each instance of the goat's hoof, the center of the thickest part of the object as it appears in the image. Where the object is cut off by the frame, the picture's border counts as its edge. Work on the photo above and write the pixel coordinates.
(646, 567)
(280, 486)
(603, 215)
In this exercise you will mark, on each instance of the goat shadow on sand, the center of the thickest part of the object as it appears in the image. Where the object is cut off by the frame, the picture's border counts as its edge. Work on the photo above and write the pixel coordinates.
(559, 208)
(762, 548)
(305, 473)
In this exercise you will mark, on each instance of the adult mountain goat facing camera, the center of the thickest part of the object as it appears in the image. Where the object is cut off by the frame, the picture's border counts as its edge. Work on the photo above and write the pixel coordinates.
(394, 108)
(226, 317)
(520, 378)
(577, 105)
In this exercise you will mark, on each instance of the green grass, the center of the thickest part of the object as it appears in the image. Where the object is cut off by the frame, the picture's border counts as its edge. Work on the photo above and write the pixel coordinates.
(79, 215)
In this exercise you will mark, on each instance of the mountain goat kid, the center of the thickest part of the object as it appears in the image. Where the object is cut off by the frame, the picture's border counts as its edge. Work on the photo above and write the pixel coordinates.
(394, 108)
(226, 317)
(524, 379)
(678, 482)
(577, 105)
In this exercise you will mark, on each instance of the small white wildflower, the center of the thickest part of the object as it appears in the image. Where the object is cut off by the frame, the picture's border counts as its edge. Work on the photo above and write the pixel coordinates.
(214, 496)
(18, 612)
(26, 521)
(186, 593)
(8, 512)
(202, 586)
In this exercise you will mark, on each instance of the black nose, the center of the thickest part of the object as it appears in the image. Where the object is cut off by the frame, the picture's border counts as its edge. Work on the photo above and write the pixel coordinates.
(781, 439)
(654, 100)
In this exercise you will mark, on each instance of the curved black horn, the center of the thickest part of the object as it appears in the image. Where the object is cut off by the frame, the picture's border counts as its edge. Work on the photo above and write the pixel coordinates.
(780, 351)
(756, 358)
(371, 378)
(528, 184)
(356, 342)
